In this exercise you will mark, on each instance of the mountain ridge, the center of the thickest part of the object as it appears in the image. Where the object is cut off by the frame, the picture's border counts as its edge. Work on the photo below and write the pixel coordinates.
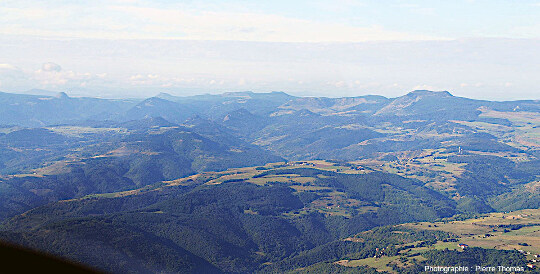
(248, 182)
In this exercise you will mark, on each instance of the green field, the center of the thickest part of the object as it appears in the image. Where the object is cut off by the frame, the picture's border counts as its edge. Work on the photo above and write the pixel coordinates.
(519, 230)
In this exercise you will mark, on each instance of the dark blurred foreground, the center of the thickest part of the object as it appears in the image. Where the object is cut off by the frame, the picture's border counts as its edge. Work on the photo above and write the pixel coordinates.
(16, 259)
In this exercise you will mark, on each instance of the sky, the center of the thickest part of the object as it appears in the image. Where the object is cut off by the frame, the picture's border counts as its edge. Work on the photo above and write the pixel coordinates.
(138, 48)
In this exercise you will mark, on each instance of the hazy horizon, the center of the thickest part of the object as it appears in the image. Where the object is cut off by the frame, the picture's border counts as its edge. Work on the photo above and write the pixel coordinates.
(137, 48)
(53, 93)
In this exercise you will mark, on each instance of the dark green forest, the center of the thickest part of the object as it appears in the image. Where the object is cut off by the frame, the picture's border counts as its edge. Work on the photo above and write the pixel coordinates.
(261, 182)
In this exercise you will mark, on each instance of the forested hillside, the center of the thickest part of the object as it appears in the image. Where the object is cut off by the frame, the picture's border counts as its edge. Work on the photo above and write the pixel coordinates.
(259, 182)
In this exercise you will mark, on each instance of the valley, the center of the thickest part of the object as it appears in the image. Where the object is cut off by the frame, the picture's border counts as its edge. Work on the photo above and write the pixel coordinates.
(269, 182)
(517, 231)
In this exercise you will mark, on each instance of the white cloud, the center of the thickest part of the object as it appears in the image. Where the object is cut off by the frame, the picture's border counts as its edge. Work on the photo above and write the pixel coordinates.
(339, 84)
(51, 67)
(133, 21)
(51, 75)
(8, 67)
(262, 27)
(190, 67)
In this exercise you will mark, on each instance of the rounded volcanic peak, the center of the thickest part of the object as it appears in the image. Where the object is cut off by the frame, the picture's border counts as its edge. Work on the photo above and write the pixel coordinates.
(62, 95)
(157, 107)
(423, 92)
(154, 102)
(418, 101)
(166, 96)
(154, 107)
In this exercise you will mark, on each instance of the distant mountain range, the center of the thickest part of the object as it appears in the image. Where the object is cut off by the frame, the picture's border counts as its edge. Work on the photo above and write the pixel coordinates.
(44, 110)
(245, 182)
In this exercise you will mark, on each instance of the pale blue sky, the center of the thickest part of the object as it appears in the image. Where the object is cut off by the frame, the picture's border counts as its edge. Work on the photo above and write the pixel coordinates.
(480, 49)
(171, 19)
